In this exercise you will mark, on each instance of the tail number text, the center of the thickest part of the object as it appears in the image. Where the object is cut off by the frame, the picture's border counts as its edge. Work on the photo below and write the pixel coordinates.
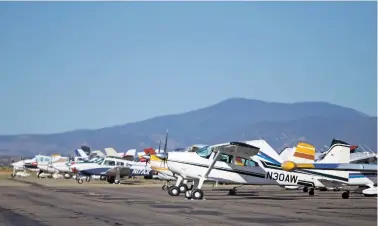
(281, 177)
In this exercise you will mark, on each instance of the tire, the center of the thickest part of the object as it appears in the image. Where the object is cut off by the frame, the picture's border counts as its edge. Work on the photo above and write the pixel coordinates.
(197, 194)
(305, 189)
(345, 195)
(183, 188)
(80, 181)
(88, 179)
(311, 192)
(174, 191)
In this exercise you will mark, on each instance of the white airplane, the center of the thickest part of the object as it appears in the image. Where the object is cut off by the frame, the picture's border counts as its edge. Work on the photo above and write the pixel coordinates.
(59, 166)
(262, 166)
(358, 174)
(107, 168)
(163, 172)
(29, 165)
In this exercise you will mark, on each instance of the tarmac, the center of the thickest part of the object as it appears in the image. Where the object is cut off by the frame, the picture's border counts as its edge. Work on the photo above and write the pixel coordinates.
(41, 202)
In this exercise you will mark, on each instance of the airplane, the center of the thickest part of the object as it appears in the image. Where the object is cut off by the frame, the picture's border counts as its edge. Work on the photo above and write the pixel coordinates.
(308, 157)
(107, 168)
(262, 166)
(359, 174)
(59, 165)
(29, 164)
(163, 172)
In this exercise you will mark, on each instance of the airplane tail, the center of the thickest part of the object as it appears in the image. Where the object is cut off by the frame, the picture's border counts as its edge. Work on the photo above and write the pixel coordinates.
(111, 152)
(80, 153)
(338, 153)
(286, 153)
(266, 152)
(303, 153)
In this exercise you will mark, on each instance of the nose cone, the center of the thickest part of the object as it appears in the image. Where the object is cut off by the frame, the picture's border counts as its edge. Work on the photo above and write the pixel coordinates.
(162, 156)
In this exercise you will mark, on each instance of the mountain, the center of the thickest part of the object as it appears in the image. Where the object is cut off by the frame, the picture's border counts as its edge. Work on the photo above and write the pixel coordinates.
(233, 119)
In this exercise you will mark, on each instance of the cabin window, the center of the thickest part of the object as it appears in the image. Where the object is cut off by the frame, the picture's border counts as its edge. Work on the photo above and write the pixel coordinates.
(109, 163)
(226, 158)
(244, 162)
(119, 163)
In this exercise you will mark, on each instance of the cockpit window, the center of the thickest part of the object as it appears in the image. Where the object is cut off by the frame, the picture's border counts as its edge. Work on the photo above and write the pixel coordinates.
(204, 152)
(109, 163)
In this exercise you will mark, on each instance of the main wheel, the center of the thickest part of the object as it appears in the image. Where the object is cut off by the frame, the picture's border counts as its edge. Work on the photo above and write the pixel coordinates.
(110, 180)
(311, 192)
(13, 175)
(174, 191)
(88, 179)
(164, 187)
(197, 194)
(305, 189)
(232, 192)
(183, 188)
(345, 195)
(80, 181)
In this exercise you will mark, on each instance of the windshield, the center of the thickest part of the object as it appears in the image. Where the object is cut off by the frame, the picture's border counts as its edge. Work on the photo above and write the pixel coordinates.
(204, 152)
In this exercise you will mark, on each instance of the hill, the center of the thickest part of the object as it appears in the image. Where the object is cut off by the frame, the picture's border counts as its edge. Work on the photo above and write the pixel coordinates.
(237, 118)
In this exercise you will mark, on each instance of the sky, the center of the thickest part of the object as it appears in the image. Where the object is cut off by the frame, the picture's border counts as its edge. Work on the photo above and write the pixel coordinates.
(72, 65)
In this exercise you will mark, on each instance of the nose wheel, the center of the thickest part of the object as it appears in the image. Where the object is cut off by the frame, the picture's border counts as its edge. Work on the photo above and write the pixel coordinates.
(345, 194)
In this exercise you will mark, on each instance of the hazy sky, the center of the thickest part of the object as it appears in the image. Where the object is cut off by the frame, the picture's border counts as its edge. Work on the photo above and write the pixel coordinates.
(73, 65)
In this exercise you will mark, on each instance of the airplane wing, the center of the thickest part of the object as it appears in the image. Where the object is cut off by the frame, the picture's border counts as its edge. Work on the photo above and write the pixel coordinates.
(290, 165)
(242, 149)
(332, 183)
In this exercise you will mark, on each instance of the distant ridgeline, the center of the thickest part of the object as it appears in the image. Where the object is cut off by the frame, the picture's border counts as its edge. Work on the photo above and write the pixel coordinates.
(238, 119)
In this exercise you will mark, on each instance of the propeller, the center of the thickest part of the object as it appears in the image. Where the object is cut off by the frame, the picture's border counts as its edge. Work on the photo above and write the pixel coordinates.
(164, 156)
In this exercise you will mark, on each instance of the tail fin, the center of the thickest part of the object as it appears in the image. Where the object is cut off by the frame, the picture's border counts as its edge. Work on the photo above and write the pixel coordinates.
(79, 152)
(130, 152)
(303, 153)
(338, 153)
(266, 151)
(287, 153)
(111, 152)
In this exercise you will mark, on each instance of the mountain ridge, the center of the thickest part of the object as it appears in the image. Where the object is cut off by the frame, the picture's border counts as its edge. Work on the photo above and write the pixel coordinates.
(222, 121)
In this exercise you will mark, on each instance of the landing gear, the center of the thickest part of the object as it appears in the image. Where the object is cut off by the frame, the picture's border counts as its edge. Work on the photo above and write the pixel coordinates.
(183, 188)
(80, 181)
(197, 194)
(39, 173)
(13, 175)
(232, 192)
(117, 182)
(311, 192)
(345, 194)
(305, 189)
(88, 179)
(164, 187)
(173, 191)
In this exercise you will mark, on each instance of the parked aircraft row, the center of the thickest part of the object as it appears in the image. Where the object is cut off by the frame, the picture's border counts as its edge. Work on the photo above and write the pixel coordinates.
(255, 162)
(252, 162)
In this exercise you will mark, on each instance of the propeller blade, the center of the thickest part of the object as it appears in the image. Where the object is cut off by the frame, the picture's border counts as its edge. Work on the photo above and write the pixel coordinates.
(159, 145)
(166, 142)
